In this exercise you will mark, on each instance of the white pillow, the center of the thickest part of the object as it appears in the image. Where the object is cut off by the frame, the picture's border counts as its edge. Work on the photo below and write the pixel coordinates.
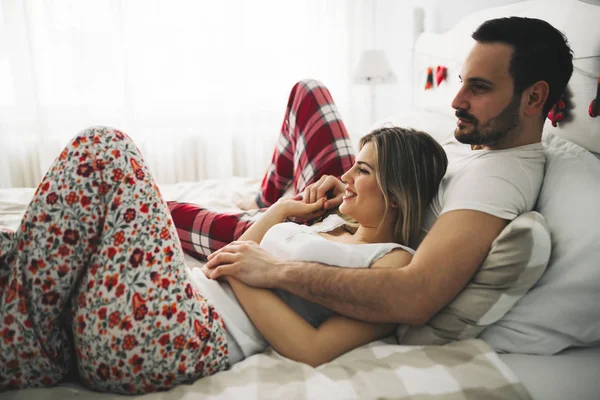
(439, 126)
(563, 309)
(516, 261)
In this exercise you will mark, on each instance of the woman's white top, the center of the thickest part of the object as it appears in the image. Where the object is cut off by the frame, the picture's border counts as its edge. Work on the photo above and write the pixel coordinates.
(288, 241)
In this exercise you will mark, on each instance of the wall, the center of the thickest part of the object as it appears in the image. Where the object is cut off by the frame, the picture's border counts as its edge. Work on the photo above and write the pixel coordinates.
(392, 29)
(387, 25)
(444, 15)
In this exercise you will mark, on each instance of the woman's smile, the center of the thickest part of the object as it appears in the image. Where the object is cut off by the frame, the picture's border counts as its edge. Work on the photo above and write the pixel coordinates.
(348, 194)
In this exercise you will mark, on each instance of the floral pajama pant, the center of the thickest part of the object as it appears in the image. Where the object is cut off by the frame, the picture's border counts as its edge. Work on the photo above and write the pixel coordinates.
(313, 142)
(94, 279)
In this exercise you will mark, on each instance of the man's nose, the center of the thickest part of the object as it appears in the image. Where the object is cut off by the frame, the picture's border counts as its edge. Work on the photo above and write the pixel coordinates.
(460, 100)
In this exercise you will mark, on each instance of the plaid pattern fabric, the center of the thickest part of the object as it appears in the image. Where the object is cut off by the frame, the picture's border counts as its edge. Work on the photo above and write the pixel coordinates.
(313, 142)
(202, 231)
(379, 370)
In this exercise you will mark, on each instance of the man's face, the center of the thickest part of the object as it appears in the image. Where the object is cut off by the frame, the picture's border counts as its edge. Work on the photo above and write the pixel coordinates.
(486, 106)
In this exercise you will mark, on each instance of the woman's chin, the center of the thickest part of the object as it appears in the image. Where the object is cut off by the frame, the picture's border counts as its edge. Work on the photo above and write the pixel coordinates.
(347, 210)
(344, 209)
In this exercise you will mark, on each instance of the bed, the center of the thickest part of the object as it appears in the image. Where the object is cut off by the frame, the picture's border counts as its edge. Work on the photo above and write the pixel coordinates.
(468, 368)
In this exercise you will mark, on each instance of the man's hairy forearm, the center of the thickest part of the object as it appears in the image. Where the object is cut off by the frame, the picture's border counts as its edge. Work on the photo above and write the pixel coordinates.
(375, 295)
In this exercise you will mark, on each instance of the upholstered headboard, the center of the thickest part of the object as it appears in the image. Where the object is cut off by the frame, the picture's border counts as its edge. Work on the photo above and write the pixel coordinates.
(579, 21)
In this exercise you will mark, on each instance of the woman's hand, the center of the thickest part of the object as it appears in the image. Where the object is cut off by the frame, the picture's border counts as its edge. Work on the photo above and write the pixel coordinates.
(327, 186)
(297, 208)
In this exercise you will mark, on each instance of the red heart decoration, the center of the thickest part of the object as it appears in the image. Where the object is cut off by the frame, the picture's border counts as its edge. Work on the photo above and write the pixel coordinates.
(440, 74)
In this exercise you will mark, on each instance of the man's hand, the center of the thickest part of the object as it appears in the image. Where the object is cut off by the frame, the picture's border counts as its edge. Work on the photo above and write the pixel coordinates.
(327, 186)
(243, 260)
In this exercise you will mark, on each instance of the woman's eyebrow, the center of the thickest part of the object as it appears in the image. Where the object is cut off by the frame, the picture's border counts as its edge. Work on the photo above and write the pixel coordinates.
(364, 163)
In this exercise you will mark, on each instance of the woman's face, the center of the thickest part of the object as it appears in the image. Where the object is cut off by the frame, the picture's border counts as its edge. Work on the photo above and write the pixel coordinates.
(363, 199)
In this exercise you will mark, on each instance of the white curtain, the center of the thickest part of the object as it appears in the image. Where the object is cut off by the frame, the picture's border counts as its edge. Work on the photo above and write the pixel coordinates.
(201, 86)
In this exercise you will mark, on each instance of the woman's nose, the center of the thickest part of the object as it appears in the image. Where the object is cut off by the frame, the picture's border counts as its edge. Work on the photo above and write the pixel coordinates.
(347, 175)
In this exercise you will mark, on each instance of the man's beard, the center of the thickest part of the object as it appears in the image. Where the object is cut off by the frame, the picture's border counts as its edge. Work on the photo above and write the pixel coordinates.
(492, 131)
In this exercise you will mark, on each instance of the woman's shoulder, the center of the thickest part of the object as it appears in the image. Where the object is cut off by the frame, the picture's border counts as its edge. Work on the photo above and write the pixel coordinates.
(395, 257)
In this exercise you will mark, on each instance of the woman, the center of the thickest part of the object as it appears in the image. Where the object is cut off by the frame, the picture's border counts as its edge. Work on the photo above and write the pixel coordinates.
(395, 176)
(95, 273)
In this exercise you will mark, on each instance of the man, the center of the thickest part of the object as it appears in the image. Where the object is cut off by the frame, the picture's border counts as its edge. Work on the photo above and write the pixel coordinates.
(516, 71)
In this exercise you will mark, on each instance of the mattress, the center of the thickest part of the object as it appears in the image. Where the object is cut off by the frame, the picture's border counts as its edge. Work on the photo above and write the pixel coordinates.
(381, 369)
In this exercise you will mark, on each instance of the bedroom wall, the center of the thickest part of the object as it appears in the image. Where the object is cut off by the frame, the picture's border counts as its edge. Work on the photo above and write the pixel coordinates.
(212, 77)
(393, 29)
(386, 25)
(443, 15)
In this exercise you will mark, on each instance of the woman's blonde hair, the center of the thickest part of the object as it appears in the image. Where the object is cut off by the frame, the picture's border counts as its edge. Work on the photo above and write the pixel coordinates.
(410, 166)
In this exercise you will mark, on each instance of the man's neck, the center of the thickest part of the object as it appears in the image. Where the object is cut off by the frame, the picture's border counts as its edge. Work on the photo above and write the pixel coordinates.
(527, 133)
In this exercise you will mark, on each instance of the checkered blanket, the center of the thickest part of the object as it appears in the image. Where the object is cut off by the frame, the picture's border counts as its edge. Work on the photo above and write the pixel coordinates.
(464, 370)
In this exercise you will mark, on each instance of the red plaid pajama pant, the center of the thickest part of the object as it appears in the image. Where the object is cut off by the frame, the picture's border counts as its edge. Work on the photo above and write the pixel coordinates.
(313, 142)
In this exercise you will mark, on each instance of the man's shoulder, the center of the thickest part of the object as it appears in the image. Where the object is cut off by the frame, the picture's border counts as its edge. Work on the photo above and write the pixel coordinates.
(528, 157)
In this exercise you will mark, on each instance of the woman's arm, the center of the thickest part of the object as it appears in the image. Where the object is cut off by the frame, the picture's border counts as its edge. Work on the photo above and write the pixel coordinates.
(257, 230)
(277, 213)
(290, 335)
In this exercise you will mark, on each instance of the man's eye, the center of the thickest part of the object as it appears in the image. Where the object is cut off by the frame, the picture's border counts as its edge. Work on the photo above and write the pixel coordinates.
(479, 88)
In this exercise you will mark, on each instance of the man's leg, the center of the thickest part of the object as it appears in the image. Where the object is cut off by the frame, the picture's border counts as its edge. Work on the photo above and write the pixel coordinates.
(313, 142)
(202, 231)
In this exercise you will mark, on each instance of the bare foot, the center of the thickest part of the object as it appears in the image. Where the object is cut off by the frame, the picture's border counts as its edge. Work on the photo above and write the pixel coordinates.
(247, 204)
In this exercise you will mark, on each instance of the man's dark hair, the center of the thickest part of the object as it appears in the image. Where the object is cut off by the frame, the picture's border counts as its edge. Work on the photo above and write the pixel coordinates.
(540, 53)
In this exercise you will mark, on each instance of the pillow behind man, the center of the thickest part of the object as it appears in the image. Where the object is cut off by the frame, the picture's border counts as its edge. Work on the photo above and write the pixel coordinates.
(517, 259)
(563, 309)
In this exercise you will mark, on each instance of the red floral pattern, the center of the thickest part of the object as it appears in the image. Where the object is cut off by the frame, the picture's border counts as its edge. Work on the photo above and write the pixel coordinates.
(97, 251)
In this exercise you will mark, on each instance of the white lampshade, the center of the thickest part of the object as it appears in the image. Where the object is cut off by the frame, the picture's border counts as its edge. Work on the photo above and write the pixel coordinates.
(374, 68)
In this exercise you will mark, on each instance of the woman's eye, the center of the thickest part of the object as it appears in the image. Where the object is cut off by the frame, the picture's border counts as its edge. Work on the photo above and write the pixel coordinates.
(363, 171)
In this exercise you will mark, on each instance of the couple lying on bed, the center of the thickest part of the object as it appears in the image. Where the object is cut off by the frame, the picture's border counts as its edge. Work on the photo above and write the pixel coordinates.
(95, 279)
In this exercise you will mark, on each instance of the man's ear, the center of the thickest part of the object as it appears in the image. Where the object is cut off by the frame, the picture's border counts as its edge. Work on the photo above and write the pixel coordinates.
(534, 98)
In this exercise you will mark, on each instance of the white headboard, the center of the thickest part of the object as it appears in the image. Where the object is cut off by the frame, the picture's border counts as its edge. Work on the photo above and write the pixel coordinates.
(578, 20)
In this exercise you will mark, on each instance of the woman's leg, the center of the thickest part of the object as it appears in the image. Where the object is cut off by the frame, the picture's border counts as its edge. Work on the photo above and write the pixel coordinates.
(313, 142)
(98, 239)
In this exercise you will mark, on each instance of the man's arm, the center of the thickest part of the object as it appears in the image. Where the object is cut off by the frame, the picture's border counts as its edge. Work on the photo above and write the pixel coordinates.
(444, 263)
(449, 256)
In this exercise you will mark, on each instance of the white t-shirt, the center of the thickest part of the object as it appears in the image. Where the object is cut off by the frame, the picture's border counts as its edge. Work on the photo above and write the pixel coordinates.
(287, 241)
(503, 183)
